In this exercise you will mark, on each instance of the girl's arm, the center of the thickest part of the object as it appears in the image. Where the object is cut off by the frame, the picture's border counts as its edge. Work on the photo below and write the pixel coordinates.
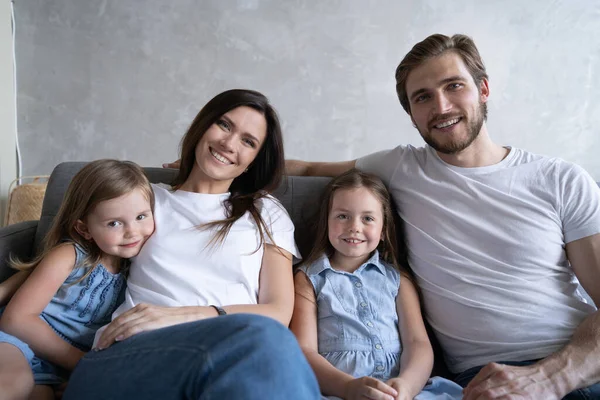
(416, 361)
(21, 317)
(10, 286)
(275, 300)
(332, 381)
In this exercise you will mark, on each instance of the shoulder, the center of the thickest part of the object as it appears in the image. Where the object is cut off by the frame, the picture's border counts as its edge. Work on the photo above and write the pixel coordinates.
(63, 256)
(272, 210)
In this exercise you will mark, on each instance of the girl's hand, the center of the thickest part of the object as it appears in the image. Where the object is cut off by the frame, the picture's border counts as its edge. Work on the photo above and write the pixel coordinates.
(405, 391)
(147, 317)
(369, 388)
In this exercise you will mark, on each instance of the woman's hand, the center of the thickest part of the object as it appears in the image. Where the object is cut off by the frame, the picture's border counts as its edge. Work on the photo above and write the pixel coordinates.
(369, 388)
(147, 317)
(405, 390)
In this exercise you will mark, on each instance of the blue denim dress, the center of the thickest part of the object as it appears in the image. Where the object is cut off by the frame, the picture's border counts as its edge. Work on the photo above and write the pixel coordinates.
(75, 313)
(357, 322)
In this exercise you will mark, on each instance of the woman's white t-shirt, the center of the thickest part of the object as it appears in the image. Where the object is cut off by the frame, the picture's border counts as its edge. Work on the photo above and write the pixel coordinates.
(179, 267)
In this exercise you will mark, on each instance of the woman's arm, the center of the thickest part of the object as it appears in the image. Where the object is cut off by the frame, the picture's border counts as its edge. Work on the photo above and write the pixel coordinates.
(275, 300)
(332, 381)
(416, 361)
(9, 287)
(21, 317)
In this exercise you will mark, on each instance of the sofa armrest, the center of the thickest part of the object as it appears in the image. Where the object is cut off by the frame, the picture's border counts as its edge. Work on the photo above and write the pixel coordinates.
(16, 240)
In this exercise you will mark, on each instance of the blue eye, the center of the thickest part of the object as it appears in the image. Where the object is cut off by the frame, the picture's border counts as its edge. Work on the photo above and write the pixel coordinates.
(223, 124)
(342, 216)
(369, 219)
(249, 143)
(140, 217)
(455, 85)
(421, 98)
(113, 224)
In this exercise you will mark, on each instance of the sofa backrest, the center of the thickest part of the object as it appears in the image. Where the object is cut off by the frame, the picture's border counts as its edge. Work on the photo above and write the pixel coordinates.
(299, 195)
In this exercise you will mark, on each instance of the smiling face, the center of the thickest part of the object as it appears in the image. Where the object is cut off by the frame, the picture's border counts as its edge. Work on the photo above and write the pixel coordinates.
(446, 105)
(119, 226)
(227, 149)
(355, 226)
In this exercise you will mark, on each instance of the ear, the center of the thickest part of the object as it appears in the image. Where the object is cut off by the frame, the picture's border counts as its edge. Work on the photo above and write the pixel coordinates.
(82, 228)
(484, 90)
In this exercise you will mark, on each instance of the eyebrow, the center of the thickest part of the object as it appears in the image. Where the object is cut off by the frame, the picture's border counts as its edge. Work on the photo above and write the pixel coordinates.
(346, 210)
(147, 211)
(226, 118)
(442, 82)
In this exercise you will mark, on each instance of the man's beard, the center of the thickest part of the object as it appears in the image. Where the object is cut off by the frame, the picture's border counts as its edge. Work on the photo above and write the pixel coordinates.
(456, 146)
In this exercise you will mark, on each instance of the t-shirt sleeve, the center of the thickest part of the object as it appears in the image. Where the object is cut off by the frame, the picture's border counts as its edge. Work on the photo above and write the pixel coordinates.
(280, 225)
(580, 204)
(382, 163)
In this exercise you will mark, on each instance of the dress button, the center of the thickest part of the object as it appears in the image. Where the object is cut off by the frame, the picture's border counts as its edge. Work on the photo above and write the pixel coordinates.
(380, 368)
(358, 284)
(363, 304)
(370, 324)
(378, 346)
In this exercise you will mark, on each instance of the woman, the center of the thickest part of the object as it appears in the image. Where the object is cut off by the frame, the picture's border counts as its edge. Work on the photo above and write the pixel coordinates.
(193, 323)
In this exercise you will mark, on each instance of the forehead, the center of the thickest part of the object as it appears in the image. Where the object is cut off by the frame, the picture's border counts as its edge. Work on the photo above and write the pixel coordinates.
(433, 71)
(357, 199)
(248, 120)
(132, 202)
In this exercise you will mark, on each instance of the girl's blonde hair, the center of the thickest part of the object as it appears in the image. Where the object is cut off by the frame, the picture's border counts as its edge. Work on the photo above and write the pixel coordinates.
(96, 182)
(354, 179)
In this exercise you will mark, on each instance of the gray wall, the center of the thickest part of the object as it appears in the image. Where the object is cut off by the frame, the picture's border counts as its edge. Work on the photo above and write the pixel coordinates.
(125, 78)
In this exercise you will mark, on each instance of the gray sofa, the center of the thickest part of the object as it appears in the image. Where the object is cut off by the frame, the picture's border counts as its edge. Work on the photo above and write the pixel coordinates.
(299, 195)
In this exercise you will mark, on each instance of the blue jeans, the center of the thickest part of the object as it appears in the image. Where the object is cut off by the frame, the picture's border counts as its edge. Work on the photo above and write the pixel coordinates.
(239, 356)
(588, 393)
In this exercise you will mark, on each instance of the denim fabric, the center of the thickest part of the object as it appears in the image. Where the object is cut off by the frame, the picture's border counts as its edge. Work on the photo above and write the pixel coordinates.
(75, 312)
(357, 325)
(238, 356)
(357, 322)
(78, 310)
(588, 393)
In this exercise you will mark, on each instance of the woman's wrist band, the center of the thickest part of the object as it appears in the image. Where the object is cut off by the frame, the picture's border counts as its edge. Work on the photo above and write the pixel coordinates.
(220, 311)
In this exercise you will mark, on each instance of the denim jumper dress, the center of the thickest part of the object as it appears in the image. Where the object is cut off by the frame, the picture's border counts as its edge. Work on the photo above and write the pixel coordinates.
(75, 313)
(357, 323)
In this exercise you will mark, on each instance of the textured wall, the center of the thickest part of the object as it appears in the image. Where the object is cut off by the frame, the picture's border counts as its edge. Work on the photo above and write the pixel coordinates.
(124, 78)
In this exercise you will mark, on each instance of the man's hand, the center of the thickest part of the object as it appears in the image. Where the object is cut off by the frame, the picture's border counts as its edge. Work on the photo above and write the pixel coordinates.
(174, 164)
(496, 381)
(369, 388)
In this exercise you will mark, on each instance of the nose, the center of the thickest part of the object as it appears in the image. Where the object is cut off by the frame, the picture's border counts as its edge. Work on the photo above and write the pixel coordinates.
(226, 142)
(129, 231)
(354, 225)
(442, 104)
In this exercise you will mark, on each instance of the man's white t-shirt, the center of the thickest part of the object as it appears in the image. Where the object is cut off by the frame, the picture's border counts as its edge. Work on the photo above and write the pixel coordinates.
(178, 267)
(487, 246)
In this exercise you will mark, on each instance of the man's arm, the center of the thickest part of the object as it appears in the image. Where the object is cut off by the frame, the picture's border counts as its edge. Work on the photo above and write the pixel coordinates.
(306, 168)
(574, 366)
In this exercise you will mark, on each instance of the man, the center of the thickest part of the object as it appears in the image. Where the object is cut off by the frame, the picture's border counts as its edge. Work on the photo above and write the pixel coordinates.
(495, 235)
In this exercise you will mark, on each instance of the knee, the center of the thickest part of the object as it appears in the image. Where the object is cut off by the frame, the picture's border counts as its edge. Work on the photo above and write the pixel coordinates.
(16, 384)
(269, 335)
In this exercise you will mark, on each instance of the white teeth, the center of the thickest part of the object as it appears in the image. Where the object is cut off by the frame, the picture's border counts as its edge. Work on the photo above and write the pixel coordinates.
(220, 157)
(353, 241)
(447, 123)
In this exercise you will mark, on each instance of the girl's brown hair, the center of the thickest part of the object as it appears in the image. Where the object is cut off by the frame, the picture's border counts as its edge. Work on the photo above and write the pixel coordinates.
(353, 179)
(96, 182)
(263, 175)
